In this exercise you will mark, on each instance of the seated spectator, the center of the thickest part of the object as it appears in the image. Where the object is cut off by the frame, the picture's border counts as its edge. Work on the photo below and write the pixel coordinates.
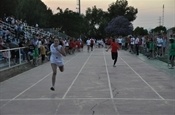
(2, 43)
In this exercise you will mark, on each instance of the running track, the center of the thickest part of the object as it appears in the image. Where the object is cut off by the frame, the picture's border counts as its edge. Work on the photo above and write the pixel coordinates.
(90, 85)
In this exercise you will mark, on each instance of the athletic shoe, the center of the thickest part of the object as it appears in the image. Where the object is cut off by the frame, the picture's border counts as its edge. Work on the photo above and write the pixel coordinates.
(52, 88)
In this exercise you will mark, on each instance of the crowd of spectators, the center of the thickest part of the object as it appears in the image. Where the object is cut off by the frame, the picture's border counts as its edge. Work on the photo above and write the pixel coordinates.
(16, 33)
(158, 46)
(33, 41)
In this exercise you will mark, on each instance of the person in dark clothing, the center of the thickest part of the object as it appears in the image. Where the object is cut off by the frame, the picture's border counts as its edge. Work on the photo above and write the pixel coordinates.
(31, 48)
(22, 44)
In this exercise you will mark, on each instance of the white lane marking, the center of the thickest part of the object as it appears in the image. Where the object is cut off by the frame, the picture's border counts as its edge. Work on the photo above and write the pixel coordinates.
(115, 107)
(110, 87)
(25, 90)
(32, 86)
(57, 109)
(76, 77)
(142, 79)
(124, 99)
(109, 81)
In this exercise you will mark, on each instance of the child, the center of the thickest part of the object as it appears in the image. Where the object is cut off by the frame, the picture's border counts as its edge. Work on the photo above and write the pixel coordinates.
(43, 52)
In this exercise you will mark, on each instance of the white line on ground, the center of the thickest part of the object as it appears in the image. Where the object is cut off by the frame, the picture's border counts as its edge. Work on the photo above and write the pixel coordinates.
(25, 90)
(76, 77)
(57, 109)
(110, 87)
(31, 86)
(142, 78)
(124, 99)
(109, 81)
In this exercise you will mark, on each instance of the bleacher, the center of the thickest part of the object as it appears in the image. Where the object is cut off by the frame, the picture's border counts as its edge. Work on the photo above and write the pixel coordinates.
(14, 32)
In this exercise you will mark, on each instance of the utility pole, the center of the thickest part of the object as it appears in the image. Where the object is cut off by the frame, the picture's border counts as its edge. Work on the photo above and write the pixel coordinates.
(160, 21)
(79, 6)
(163, 16)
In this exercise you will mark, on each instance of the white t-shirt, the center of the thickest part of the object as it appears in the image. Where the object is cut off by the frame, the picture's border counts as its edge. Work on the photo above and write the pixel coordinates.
(88, 42)
(137, 41)
(132, 40)
(159, 42)
(56, 57)
(119, 40)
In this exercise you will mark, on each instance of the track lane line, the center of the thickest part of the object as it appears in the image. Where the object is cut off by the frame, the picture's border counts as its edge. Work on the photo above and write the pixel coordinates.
(76, 77)
(32, 85)
(142, 79)
(109, 81)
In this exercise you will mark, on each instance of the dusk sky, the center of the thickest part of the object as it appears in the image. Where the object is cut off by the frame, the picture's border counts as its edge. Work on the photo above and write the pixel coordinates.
(149, 11)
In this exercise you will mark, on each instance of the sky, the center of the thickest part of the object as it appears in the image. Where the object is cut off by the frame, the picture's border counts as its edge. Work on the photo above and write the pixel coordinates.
(150, 12)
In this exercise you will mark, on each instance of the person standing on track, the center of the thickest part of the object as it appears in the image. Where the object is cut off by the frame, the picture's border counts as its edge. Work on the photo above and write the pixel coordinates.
(57, 52)
(114, 51)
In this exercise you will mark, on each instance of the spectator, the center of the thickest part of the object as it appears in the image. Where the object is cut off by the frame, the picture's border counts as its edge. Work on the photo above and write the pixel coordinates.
(172, 53)
(42, 52)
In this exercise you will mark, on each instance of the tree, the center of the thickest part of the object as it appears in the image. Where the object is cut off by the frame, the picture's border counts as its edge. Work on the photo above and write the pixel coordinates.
(72, 23)
(159, 30)
(121, 8)
(34, 12)
(119, 26)
(140, 31)
(96, 19)
(7, 7)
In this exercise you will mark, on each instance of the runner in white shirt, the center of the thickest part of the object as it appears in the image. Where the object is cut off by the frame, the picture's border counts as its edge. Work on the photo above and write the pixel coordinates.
(132, 42)
(57, 52)
(88, 43)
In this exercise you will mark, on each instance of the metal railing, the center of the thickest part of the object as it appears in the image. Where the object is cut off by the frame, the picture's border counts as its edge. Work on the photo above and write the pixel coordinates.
(12, 57)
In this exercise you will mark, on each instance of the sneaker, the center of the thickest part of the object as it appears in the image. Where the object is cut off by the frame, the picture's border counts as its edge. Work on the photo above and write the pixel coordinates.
(52, 88)
(171, 68)
(114, 65)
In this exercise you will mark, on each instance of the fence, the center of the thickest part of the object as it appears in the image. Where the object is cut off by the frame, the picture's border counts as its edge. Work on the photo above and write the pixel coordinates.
(12, 57)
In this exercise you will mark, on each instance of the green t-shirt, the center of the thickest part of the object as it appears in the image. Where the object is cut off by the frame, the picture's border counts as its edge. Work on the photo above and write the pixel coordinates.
(35, 53)
(172, 49)
(151, 45)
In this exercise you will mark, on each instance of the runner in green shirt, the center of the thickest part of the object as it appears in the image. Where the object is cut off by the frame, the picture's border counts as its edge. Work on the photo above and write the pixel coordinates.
(172, 53)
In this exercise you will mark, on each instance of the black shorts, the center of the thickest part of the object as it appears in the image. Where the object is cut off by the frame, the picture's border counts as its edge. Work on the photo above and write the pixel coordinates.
(114, 55)
(42, 57)
(172, 57)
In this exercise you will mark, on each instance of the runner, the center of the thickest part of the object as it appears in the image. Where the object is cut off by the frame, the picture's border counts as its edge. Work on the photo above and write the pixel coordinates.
(114, 51)
(92, 41)
(56, 59)
(88, 43)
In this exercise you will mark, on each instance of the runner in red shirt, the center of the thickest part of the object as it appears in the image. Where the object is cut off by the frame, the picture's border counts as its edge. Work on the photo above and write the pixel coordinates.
(114, 51)
(78, 45)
